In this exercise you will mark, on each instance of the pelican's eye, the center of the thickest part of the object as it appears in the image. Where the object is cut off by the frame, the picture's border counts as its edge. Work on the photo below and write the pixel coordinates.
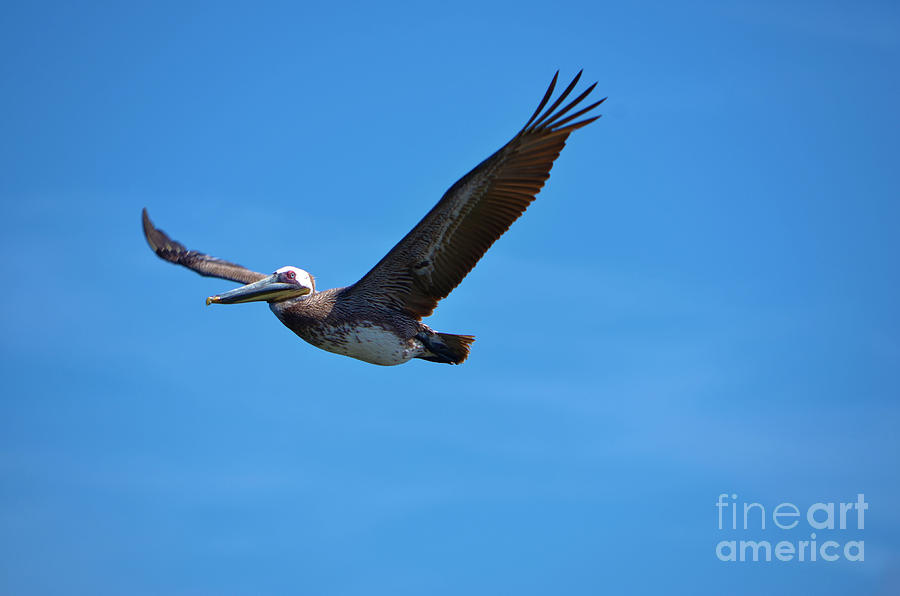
(291, 275)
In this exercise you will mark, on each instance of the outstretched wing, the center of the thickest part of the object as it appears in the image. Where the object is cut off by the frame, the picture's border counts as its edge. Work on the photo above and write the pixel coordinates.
(440, 251)
(175, 252)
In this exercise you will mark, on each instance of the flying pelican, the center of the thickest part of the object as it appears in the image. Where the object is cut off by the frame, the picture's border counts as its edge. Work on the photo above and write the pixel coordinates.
(378, 319)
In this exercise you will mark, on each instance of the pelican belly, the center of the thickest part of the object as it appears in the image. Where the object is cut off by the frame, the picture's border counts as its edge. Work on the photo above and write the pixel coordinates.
(365, 341)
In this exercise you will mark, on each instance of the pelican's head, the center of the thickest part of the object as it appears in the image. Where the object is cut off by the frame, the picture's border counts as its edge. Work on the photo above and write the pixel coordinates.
(284, 284)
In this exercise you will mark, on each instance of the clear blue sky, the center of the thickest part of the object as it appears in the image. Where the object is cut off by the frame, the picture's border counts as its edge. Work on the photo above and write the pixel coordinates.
(703, 300)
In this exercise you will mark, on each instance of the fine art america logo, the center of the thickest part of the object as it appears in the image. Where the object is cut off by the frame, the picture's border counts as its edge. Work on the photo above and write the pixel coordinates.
(818, 532)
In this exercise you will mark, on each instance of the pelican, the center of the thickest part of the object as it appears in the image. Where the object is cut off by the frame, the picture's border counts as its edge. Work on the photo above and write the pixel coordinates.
(379, 318)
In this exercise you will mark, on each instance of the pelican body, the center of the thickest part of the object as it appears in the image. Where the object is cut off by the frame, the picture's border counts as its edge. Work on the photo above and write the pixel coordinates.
(379, 318)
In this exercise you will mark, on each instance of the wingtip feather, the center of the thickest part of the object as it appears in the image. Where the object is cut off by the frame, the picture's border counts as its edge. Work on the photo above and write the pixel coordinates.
(149, 230)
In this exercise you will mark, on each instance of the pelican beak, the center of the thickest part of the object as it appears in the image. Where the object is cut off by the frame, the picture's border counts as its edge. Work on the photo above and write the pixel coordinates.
(268, 289)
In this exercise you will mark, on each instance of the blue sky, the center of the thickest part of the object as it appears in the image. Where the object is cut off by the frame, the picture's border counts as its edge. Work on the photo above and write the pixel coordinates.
(702, 300)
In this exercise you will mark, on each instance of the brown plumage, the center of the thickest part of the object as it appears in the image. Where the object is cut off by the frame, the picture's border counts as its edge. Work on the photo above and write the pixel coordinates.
(175, 252)
(424, 267)
(439, 252)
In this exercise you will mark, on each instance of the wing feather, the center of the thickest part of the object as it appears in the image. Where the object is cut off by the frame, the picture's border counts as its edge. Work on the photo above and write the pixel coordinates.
(175, 252)
(439, 252)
